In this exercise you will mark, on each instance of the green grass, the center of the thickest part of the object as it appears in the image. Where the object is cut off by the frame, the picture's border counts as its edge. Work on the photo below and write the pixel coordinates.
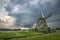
(29, 35)
(53, 36)
(17, 34)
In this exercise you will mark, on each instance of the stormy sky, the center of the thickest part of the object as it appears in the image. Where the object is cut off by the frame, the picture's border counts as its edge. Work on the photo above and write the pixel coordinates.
(26, 12)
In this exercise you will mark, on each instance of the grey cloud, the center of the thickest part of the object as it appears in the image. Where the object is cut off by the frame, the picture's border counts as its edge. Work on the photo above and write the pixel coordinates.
(4, 3)
(34, 6)
(4, 17)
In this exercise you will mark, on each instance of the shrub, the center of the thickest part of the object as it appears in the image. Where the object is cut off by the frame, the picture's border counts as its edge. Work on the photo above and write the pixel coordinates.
(58, 28)
(49, 30)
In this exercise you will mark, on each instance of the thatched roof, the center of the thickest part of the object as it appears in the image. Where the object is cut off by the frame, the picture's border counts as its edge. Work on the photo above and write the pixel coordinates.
(41, 19)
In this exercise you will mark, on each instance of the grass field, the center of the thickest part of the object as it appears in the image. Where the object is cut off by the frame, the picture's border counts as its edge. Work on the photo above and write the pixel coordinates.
(29, 35)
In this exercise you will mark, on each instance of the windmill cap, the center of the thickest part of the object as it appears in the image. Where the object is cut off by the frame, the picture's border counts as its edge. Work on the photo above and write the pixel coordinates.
(41, 19)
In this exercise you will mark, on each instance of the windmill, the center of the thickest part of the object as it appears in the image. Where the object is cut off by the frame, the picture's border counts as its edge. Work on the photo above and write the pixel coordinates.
(41, 24)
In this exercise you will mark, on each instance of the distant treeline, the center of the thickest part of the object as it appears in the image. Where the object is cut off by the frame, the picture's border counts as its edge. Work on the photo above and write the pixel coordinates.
(9, 29)
(2, 29)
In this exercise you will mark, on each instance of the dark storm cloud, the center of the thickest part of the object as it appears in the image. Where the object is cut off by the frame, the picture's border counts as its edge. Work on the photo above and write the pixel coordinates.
(21, 2)
(28, 11)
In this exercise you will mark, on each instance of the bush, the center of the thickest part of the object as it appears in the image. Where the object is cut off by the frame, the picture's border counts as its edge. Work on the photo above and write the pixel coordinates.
(58, 28)
(49, 30)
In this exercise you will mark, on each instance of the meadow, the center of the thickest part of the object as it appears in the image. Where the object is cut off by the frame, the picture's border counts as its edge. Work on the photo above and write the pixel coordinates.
(29, 35)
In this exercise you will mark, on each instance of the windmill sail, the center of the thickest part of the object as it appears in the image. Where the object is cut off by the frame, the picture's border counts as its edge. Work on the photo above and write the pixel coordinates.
(49, 15)
(42, 14)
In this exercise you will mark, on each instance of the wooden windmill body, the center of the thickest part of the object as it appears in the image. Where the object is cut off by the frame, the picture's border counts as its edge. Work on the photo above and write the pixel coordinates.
(41, 23)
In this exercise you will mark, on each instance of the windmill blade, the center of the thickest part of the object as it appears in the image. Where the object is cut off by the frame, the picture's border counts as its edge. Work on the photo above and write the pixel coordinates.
(42, 14)
(49, 15)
